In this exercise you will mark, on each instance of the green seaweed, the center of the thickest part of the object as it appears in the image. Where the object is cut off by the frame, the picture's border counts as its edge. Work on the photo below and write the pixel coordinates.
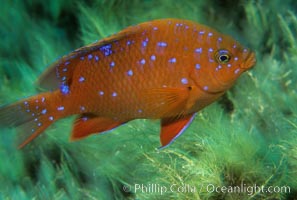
(248, 137)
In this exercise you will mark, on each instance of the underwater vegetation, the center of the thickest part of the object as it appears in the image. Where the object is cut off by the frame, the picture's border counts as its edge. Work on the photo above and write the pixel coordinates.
(246, 139)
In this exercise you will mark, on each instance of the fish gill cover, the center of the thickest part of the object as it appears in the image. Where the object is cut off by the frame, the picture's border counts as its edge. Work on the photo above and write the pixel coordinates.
(247, 139)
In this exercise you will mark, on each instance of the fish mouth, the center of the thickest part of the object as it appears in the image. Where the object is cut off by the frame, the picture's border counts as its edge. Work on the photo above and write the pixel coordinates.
(250, 61)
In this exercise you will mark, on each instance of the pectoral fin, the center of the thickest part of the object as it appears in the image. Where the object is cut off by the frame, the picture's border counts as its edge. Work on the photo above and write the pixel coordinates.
(88, 124)
(164, 101)
(172, 129)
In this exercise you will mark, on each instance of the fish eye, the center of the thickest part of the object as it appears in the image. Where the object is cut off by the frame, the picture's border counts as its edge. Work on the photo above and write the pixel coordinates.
(222, 56)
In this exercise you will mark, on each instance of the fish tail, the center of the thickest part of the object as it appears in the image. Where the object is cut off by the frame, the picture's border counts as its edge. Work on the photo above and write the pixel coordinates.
(32, 116)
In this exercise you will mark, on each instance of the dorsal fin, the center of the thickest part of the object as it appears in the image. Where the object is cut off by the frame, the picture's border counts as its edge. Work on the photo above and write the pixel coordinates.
(61, 71)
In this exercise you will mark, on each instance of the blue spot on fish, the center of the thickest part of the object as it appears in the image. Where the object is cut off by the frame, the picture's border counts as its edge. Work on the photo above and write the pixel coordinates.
(184, 81)
(60, 108)
(51, 118)
(96, 58)
(81, 79)
(64, 89)
(43, 111)
(142, 61)
(112, 64)
(198, 50)
(172, 60)
(106, 49)
(82, 108)
(90, 56)
(162, 44)
(101, 93)
(67, 63)
(114, 94)
(236, 71)
(153, 57)
(144, 43)
(197, 66)
(130, 73)
(218, 67)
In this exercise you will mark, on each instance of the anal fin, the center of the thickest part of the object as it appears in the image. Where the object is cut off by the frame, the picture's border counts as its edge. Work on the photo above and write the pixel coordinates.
(173, 128)
(88, 124)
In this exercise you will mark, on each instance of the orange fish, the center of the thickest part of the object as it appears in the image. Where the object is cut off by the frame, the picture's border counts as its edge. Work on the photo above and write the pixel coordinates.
(166, 69)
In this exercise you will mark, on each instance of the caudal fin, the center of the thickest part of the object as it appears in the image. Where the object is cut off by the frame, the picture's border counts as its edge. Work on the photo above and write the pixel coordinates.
(32, 116)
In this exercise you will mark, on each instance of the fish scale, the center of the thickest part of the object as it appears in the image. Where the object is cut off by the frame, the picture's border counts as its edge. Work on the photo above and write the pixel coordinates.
(166, 69)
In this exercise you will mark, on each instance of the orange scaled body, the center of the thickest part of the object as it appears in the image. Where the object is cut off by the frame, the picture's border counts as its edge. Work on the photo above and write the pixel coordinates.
(164, 69)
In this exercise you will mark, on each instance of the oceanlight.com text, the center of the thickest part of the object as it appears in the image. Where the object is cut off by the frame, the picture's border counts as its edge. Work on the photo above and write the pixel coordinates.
(250, 190)
(208, 188)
